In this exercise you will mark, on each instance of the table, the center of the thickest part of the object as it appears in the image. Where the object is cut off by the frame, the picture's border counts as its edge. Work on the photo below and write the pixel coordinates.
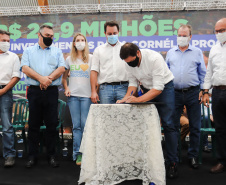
(122, 142)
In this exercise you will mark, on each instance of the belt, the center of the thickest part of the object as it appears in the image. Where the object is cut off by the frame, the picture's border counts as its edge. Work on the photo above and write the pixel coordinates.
(2, 86)
(38, 87)
(115, 83)
(187, 89)
(221, 87)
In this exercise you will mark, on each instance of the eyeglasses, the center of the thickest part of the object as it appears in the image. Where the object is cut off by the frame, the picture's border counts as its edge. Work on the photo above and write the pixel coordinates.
(219, 31)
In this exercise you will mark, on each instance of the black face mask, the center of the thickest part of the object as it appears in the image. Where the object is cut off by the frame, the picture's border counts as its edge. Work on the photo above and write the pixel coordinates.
(134, 63)
(47, 40)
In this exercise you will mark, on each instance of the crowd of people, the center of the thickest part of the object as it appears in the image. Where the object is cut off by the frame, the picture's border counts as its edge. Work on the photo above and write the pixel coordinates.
(113, 74)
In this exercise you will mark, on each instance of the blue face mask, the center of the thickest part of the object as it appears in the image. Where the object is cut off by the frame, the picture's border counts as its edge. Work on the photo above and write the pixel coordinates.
(112, 39)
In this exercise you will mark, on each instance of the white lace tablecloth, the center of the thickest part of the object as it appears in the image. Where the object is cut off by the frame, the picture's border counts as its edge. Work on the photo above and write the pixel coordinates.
(122, 142)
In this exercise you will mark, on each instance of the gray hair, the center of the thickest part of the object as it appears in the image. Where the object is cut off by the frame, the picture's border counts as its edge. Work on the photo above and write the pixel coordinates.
(45, 26)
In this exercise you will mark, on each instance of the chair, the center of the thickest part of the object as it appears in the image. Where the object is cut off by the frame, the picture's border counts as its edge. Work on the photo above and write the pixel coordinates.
(207, 129)
(20, 112)
(61, 114)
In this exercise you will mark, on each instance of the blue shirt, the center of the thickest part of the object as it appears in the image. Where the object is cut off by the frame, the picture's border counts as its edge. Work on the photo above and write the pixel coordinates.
(44, 62)
(188, 67)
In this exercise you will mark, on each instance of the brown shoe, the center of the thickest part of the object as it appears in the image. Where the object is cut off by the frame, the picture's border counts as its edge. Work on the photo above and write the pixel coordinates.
(219, 168)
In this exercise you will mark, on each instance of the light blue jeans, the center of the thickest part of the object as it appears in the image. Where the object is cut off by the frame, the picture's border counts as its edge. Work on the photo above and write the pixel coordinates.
(79, 109)
(6, 104)
(109, 94)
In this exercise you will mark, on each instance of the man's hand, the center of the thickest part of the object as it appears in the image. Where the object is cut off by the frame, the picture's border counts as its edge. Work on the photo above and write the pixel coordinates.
(211, 117)
(205, 100)
(45, 81)
(200, 97)
(120, 101)
(42, 87)
(132, 99)
(94, 97)
(123, 100)
(67, 92)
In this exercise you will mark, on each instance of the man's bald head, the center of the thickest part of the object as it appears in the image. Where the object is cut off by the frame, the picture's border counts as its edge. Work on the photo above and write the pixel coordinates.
(221, 22)
(220, 30)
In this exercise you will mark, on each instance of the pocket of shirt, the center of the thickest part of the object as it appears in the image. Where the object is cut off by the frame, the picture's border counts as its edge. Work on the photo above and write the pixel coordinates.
(53, 62)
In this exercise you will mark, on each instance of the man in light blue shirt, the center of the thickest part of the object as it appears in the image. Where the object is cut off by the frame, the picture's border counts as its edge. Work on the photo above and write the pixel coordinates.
(43, 65)
(187, 65)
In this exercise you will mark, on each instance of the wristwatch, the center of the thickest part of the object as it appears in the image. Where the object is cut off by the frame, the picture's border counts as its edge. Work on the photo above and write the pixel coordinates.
(205, 92)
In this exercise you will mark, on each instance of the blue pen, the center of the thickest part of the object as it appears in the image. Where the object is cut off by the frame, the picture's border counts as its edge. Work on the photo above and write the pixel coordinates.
(131, 93)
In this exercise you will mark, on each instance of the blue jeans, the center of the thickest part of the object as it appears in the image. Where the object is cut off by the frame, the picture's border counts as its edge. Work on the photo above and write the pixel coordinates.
(166, 113)
(6, 104)
(109, 94)
(191, 100)
(79, 109)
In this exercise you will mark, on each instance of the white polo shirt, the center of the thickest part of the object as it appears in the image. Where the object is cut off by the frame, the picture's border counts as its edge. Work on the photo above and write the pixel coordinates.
(107, 62)
(9, 67)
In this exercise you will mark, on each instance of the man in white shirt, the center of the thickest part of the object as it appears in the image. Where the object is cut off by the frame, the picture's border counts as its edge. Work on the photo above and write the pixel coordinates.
(108, 70)
(9, 76)
(149, 68)
(216, 78)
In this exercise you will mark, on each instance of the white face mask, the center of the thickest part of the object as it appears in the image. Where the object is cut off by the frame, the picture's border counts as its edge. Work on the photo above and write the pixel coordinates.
(80, 45)
(221, 37)
(183, 41)
(4, 46)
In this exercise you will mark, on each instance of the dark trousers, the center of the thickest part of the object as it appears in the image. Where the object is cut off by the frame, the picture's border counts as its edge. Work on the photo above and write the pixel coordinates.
(43, 106)
(191, 100)
(219, 115)
(166, 113)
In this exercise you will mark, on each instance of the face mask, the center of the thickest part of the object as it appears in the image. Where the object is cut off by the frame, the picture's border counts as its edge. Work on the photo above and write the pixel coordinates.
(80, 45)
(112, 39)
(183, 41)
(4, 46)
(134, 63)
(221, 37)
(47, 40)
